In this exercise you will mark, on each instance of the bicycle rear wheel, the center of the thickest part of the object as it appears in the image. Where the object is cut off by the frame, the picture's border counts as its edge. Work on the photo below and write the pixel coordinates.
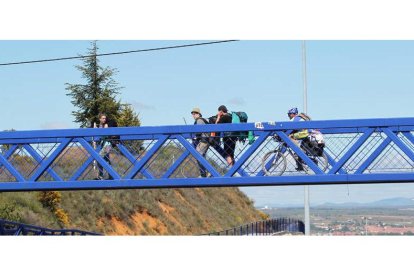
(274, 163)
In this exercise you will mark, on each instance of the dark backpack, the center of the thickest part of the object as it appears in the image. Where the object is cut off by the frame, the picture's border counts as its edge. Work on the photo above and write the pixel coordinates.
(113, 139)
(240, 117)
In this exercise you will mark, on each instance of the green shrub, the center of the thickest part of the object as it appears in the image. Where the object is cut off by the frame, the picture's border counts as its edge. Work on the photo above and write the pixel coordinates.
(10, 211)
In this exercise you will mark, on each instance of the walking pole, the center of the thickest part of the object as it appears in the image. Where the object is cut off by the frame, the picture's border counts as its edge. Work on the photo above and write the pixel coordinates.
(94, 147)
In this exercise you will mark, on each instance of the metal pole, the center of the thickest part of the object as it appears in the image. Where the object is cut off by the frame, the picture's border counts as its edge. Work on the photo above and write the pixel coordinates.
(305, 109)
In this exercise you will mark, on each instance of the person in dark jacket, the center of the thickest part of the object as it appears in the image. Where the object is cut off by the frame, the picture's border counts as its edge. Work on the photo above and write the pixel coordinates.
(229, 141)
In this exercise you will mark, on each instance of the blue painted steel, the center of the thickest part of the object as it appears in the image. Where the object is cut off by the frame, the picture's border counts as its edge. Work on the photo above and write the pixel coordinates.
(211, 182)
(332, 162)
(247, 154)
(44, 165)
(11, 169)
(11, 228)
(79, 172)
(133, 160)
(176, 164)
(39, 159)
(198, 156)
(99, 159)
(9, 153)
(373, 156)
(139, 165)
(348, 163)
(399, 143)
(351, 151)
(409, 136)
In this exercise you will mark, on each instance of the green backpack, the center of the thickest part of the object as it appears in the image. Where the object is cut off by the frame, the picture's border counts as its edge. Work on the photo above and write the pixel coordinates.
(241, 117)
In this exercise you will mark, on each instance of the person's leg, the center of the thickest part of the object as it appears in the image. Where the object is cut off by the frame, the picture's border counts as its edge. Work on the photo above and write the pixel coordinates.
(299, 165)
(218, 148)
(229, 148)
(100, 167)
(105, 154)
(108, 160)
(202, 148)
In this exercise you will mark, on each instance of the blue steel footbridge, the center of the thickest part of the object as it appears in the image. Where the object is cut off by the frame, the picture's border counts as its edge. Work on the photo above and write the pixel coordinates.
(356, 151)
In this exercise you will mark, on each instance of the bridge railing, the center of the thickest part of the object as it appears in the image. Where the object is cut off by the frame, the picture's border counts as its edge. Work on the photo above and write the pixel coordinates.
(10, 228)
(356, 151)
(264, 228)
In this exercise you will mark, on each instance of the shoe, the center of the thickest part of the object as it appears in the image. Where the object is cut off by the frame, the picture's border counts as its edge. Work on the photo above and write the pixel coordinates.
(98, 178)
(208, 174)
(299, 169)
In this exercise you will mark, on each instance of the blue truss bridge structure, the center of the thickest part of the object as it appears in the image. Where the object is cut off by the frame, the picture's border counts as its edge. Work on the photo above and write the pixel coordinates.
(356, 151)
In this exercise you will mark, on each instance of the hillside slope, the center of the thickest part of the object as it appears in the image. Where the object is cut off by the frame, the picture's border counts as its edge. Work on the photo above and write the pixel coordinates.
(139, 212)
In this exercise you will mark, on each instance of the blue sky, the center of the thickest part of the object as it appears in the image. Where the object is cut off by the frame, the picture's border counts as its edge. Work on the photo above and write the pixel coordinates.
(346, 79)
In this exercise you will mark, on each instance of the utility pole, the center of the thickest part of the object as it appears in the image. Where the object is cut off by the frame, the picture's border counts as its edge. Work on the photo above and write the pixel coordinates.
(305, 109)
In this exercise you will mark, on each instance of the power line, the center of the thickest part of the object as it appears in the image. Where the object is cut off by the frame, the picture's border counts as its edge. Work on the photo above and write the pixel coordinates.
(118, 53)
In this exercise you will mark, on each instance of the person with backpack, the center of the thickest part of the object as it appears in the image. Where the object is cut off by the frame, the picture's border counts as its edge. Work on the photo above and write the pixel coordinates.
(107, 143)
(201, 140)
(229, 140)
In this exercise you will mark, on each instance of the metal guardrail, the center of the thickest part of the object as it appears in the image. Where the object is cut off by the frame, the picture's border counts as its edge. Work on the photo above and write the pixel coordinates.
(264, 228)
(10, 228)
(355, 152)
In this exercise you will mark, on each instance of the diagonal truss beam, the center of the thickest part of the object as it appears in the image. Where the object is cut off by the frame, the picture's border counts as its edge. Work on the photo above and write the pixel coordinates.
(39, 160)
(99, 158)
(141, 163)
(373, 156)
(399, 143)
(246, 155)
(133, 160)
(351, 151)
(198, 156)
(11, 169)
(45, 164)
(176, 164)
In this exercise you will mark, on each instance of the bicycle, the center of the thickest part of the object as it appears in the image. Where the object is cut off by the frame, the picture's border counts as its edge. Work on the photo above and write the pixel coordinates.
(274, 162)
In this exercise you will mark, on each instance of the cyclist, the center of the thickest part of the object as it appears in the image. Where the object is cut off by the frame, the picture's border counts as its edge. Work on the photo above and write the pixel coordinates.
(298, 136)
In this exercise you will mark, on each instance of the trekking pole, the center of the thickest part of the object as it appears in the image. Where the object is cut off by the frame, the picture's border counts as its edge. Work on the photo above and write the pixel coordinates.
(94, 147)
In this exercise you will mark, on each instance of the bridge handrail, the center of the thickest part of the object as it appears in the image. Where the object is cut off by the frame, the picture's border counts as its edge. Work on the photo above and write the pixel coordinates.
(11, 228)
(264, 228)
(339, 126)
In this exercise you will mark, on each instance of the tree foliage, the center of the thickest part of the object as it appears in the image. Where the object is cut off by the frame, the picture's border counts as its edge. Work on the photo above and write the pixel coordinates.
(127, 117)
(98, 94)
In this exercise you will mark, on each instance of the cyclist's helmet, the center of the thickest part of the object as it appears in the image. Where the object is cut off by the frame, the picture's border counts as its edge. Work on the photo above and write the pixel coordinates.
(293, 110)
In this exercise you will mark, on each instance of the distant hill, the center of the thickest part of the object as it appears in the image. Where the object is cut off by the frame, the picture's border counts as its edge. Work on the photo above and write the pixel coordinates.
(389, 202)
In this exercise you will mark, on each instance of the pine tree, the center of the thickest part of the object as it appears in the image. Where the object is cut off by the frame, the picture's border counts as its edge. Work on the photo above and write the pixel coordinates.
(127, 117)
(98, 94)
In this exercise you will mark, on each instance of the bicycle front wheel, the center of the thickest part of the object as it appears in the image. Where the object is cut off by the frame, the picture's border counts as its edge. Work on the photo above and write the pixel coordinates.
(274, 163)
